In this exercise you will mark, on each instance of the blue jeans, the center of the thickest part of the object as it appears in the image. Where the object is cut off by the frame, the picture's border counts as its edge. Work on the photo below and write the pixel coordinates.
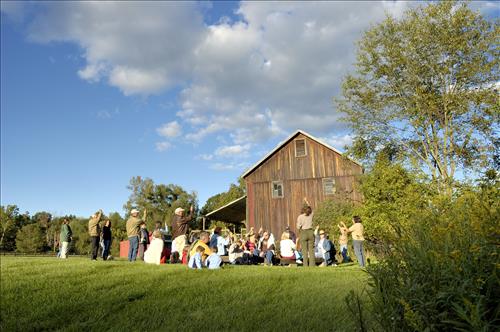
(133, 243)
(105, 253)
(268, 257)
(343, 251)
(358, 250)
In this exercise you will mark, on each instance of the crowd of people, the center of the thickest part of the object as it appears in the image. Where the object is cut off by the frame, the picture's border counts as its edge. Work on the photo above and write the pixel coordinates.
(310, 247)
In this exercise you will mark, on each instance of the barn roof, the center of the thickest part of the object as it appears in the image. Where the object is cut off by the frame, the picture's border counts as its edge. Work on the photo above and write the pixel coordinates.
(286, 141)
(233, 212)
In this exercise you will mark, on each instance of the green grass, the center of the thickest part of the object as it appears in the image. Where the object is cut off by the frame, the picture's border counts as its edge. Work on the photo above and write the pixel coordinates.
(77, 294)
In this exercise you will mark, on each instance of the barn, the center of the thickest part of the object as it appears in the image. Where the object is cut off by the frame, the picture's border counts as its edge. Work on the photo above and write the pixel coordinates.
(301, 166)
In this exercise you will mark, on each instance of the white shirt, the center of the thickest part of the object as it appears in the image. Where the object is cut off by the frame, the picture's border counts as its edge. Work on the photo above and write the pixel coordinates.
(287, 248)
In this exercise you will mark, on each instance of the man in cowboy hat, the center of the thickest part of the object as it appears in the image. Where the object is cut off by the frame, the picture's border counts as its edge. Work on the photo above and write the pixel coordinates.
(179, 230)
(133, 228)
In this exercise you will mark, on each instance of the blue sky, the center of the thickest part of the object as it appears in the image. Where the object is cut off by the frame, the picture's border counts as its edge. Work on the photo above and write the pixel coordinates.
(186, 93)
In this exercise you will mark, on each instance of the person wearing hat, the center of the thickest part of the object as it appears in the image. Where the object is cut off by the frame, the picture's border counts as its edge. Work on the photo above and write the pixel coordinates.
(180, 225)
(95, 233)
(133, 228)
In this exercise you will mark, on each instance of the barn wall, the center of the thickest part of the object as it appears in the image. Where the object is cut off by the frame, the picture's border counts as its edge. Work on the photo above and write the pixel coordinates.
(302, 177)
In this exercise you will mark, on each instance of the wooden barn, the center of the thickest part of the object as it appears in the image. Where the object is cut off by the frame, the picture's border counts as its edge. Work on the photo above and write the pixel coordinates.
(301, 166)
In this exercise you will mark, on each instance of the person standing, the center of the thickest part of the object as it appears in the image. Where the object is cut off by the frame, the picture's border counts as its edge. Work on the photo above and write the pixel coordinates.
(180, 225)
(343, 239)
(357, 231)
(304, 225)
(95, 233)
(106, 237)
(133, 227)
(65, 238)
(143, 240)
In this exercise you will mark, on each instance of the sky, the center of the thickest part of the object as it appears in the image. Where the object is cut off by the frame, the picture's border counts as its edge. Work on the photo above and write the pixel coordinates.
(189, 93)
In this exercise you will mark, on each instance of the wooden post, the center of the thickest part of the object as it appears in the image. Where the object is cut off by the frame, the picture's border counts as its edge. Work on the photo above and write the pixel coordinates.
(203, 223)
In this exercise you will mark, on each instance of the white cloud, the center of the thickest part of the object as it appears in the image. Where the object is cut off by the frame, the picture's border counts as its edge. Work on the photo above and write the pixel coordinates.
(139, 47)
(163, 146)
(338, 141)
(228, 166)
(232, 151)
(274, 71)
(171, 129)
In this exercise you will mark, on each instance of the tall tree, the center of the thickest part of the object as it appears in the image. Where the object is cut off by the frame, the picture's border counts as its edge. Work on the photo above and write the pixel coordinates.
(427, 84)
(221, 199)
(160, 200)
(11, 221)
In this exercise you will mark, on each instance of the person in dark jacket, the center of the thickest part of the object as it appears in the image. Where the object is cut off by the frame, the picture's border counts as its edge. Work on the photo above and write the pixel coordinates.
(143, 240)
(106, 237)
(180, 226)
(65, 238)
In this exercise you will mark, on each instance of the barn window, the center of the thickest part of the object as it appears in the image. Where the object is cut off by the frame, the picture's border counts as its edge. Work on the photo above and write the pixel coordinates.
(329, 186)
(277, 189)
(300, 148)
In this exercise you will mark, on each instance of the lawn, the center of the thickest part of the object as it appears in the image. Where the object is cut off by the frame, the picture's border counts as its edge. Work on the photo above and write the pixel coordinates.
(78, 294)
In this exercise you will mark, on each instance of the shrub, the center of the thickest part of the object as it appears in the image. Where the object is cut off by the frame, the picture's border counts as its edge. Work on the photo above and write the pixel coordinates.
(442, 273)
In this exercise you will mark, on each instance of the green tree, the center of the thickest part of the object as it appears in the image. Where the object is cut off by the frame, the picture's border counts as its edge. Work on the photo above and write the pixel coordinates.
(427, 84)
(221, 199)
(30, 239)
(11, 221)
(160, 200)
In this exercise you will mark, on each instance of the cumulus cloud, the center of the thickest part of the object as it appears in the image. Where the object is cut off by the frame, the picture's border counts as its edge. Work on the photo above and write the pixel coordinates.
(163, 146)
(169, 130)
(340, 142)
(271, 71)
(232, 151)
(138, 47)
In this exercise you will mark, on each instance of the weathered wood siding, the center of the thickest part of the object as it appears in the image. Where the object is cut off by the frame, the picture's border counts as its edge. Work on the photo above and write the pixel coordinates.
(302, 177)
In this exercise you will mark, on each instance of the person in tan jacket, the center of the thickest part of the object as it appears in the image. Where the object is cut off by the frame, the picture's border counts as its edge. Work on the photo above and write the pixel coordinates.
(95, 233)
(133, 228)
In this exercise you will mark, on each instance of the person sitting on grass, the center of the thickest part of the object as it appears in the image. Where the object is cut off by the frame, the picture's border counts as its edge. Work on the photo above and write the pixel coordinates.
(195, 262)
(287, 247)
(328, 249)
(217, 240)
(343, 240)
(266, 249)
(251, 249)
(237, 254)
(213, 261)
(201, 242)
(153, 254)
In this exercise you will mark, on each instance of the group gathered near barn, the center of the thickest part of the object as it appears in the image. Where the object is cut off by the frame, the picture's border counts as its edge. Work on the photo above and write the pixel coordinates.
(312, 246)
(275, 217)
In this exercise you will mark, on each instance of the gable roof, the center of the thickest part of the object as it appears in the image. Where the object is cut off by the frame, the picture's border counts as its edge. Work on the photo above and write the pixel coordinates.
(286, 141)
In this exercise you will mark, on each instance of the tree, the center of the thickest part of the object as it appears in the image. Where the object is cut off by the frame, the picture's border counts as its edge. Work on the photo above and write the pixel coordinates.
(30, 239)
(221, 199)
(427, 84)
(11, 221)
(160, 200)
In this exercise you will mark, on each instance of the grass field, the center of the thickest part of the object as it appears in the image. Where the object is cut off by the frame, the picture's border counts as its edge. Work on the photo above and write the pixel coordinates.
(78, 294)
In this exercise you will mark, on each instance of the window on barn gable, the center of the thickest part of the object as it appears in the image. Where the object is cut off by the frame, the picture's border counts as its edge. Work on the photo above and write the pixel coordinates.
(329, 186)
(300, 148)
(277, 189)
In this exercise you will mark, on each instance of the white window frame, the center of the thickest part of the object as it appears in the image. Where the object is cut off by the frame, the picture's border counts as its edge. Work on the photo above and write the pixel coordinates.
(332, 179)
(274, 193)
(305, 147)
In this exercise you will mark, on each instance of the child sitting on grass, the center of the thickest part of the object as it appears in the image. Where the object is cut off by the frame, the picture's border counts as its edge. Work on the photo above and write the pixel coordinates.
(213, 261)
(195, 260)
